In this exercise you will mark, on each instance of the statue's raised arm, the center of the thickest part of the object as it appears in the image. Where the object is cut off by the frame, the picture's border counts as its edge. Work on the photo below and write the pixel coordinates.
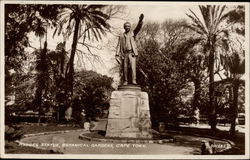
(139, 25)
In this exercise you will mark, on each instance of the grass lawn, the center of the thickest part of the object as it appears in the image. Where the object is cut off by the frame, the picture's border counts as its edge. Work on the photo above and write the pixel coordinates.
(14, 148)
(29, 129)
(239, 139)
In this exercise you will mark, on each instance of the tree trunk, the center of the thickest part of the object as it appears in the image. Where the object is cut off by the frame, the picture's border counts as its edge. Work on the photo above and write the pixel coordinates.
(40, 41)
(196, 99)
(70, 70)
(41, 83)
(234, 109)
(197, 93)
(212, 116)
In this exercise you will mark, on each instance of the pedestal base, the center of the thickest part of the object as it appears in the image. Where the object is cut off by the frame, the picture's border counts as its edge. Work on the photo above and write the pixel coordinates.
(129, 87)
(129, 114)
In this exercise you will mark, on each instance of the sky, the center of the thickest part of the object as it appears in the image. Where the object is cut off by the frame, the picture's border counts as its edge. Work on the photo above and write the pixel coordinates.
(152, 13)
(160, 13)
(131, 13)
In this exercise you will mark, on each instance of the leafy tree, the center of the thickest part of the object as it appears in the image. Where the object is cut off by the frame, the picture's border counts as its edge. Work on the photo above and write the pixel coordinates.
(182, 43)
(237, 16)
(23, 89)
(17, 24)
(92, 93)
(165, 75)
(174, 32)
(236, 66)
(22, 19)
(233, 59)
(193, 66)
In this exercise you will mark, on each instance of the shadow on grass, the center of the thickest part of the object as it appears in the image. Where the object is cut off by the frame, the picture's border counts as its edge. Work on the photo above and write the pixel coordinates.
(14, 148)
(101, 134)
(238, 139)
(34, 128)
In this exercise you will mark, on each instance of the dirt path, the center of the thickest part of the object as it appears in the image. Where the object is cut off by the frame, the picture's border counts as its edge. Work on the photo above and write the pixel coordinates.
(69, 143)
(73, 145)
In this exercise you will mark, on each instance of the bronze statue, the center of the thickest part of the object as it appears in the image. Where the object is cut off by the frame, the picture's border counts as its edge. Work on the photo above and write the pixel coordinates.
(127, 49)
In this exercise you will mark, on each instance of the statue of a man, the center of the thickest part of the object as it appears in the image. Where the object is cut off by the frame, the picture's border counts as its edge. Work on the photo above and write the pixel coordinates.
(127, 49)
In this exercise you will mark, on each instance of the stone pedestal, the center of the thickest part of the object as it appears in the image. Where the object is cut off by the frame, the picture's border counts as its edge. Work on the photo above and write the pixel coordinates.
(129, 114)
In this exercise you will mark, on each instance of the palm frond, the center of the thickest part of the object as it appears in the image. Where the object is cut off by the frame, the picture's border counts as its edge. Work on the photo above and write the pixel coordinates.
(100, 14)
(197, 22)
(101, 21)
(205, 11)
(195, 28)
(219, 19)
(94, 7)
(213, 13)
(88, 28)
(55, 31)
(94, 33)
(99, 34)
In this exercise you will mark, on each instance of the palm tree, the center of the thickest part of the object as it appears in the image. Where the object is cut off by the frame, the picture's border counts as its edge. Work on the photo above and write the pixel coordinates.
(88, 22)
(40, 24)
(41, 66)
(42, 76)
(211, 32)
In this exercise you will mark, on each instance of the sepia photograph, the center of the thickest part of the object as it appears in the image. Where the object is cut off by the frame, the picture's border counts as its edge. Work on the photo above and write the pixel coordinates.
(124, 80)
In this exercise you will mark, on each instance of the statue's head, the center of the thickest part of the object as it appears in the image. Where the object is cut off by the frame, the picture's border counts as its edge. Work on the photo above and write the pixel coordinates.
(127, 26)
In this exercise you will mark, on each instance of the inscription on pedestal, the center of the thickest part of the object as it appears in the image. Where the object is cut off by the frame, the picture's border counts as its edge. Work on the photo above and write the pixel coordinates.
(129, 115)
(131, 107)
